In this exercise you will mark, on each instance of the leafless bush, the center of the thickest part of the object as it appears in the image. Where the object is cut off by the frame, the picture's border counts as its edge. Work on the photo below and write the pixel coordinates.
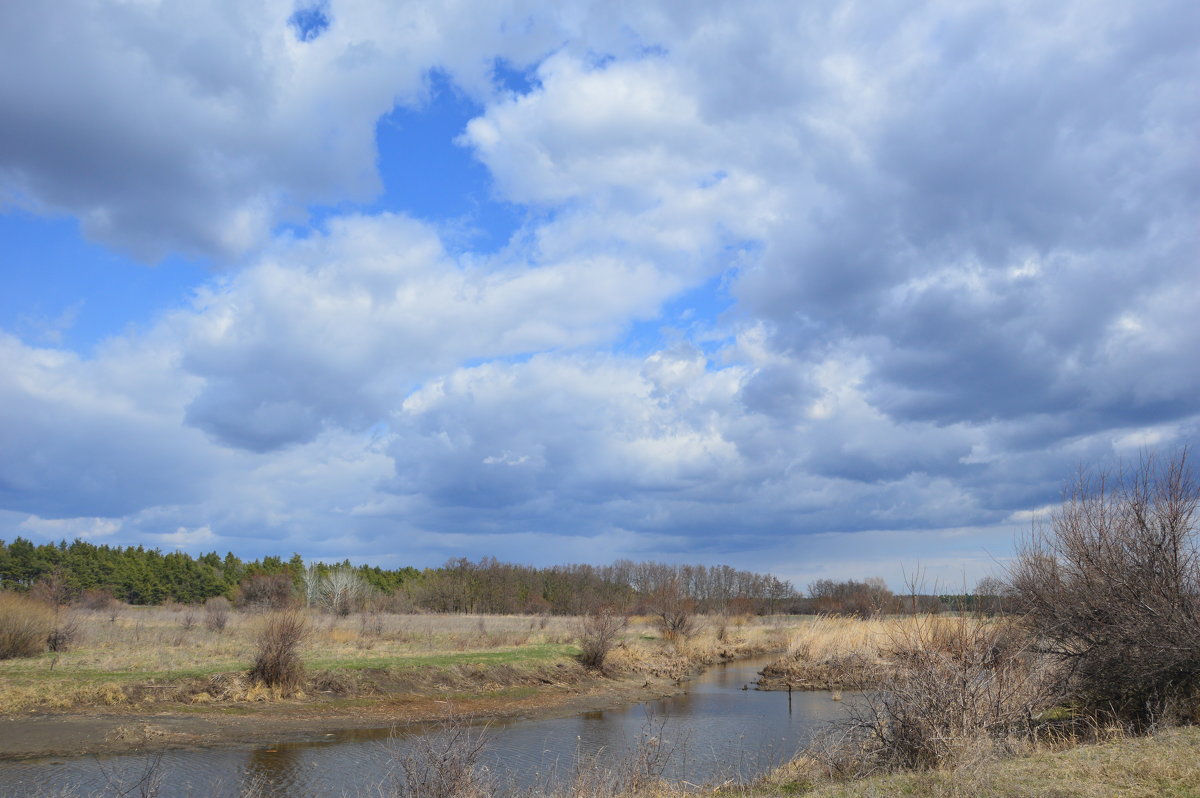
(675, 611)
(954, 692)
(63, 633)
(96, 600)
(277, 663)
(51, 590)
(266, 592)
(370, 624)
(216, 614)
(442, 764)
(187, 618)
(599, 631)
(1111, 586)
(24, 626)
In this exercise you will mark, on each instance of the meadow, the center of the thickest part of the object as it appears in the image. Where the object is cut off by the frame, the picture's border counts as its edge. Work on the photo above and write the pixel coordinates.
(132, 658)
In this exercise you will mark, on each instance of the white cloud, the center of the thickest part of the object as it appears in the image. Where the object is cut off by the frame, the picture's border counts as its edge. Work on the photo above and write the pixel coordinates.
(959, 238)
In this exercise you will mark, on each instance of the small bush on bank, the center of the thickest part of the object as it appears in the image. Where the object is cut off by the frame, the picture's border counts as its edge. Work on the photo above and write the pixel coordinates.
(599, 631)
(277, 663)
(25, 625)
(953, 692)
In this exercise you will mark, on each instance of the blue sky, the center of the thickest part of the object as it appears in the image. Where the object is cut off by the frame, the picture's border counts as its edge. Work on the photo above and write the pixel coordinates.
(829, 290)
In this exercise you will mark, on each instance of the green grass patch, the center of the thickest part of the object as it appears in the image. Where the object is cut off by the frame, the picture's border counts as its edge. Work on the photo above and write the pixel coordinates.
(525, 655)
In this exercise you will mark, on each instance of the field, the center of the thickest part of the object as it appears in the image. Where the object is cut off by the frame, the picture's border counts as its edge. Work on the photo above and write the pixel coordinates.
(135, 658)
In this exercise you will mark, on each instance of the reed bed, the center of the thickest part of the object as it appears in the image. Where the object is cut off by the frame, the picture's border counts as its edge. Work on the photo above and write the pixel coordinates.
(847, 653)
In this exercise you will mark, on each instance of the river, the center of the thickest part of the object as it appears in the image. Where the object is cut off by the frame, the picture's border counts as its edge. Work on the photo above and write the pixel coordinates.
(716, 730)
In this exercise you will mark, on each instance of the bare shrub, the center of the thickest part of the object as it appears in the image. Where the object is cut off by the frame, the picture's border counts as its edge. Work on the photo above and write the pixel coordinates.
(96, 600)
(25, 625)
(1111, 586)
(370, 624)
(442, 764)
(51, 590)
(278, 663)
(187, 619)
(266, 592)
(599, 631)
(954, 692)
(63, 633)
(674, 610)
(216, 614)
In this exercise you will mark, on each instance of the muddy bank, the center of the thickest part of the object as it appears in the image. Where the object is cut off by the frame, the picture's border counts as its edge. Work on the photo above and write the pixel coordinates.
(226, 709)
(102, 731)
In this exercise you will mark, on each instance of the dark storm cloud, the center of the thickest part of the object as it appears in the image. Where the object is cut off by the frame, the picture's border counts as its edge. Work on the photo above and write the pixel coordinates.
(1027, 188)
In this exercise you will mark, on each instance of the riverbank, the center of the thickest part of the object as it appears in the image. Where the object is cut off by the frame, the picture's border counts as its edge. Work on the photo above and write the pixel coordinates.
(100, 731)
(1164, 764)
(151, 681)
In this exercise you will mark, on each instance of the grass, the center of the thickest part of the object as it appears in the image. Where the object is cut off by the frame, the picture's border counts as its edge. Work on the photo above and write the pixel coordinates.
(1166, 765)
(136, 655)
(831, 652)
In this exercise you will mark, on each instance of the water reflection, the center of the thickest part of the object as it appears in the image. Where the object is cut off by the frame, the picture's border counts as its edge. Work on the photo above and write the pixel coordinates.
(714, 731)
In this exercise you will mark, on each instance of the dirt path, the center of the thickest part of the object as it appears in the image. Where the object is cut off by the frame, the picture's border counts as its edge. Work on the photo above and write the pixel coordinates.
(101, 731)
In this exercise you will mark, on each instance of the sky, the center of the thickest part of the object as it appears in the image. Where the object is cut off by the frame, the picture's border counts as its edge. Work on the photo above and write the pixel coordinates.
(826, 289)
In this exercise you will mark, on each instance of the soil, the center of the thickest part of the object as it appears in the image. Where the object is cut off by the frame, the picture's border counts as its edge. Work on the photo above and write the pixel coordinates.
(104, 731)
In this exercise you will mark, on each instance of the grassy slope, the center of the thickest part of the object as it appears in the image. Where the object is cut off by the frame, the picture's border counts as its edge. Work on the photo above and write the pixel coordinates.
(1165, 765)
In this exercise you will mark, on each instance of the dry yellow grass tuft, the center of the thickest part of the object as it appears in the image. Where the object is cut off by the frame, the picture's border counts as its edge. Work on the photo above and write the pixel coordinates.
(833, 652)
(1165, 765)
(719, 639)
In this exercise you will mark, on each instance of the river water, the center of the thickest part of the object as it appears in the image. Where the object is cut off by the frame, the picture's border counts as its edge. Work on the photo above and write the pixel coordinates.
(715, 731)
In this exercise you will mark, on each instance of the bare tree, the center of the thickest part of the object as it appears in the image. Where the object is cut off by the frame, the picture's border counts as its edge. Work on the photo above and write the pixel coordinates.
(1111, 585)
(342, 590)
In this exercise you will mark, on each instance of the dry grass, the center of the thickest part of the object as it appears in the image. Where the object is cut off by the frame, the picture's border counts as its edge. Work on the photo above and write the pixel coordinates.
(1166, 765)
(717, 639)
(833, 652)
(148, 655)
(25, 626)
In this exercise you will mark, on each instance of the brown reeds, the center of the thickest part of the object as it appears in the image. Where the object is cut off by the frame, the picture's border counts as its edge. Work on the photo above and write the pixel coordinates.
(949, 692)
(25, 626)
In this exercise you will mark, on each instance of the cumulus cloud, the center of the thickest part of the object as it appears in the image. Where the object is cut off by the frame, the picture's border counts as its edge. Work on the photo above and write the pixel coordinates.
(170, 127)
(335, 329)
(959, 241)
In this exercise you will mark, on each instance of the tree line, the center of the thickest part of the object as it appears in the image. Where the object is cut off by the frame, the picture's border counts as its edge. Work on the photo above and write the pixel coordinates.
(137, 575)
